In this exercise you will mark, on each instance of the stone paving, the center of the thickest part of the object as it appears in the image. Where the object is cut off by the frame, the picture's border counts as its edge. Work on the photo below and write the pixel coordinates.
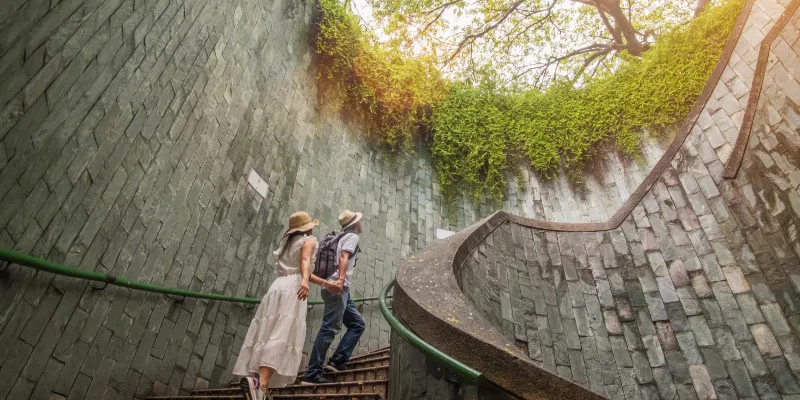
(696, 294)
(127, 134)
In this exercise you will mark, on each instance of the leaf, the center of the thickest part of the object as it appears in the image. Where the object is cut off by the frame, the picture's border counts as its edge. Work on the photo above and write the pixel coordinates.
(482, 131)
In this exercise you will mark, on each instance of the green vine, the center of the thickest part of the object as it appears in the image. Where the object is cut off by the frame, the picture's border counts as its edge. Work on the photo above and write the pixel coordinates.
(480, 134)
(386, 94)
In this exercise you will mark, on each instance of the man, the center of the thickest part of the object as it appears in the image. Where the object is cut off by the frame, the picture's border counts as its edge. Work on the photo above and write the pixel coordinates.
(339, 307)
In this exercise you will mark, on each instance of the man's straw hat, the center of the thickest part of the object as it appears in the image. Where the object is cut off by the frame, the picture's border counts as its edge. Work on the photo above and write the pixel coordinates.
(300, 222)
(348, 218)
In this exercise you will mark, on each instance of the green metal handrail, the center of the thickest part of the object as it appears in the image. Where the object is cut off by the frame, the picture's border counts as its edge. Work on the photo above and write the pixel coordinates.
(47, 266)
(451, 363)
(11, 256)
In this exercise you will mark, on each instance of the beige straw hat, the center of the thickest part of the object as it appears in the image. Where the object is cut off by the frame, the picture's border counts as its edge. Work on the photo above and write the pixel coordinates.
(348, 218)
(300, 222)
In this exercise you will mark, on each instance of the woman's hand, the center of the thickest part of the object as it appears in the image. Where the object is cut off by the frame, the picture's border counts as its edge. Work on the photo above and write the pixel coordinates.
(302, 293)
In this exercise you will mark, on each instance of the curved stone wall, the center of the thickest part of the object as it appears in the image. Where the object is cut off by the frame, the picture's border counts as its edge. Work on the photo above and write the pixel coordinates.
(128, 131)
(690, 291)
(621, 314)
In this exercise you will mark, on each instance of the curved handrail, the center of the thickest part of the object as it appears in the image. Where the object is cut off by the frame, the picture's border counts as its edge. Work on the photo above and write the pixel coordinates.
(462, 369)
(47, 266)
(26, 260)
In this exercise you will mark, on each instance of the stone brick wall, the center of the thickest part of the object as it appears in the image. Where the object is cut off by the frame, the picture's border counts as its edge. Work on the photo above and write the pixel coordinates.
(695, 295)
(128, 130)
(414, 375)
(608, 182)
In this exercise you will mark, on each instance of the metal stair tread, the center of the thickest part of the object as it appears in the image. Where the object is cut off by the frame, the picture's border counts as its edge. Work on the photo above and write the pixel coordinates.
(233, 392)
(214, 390)
(197, 396)
(354, 370)
(334, 384)
(370, 354)
(326, 396)
(357, 362)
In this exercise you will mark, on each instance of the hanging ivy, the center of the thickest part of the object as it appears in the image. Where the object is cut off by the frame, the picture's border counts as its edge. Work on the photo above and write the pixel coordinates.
(388, 95)
(479, 133)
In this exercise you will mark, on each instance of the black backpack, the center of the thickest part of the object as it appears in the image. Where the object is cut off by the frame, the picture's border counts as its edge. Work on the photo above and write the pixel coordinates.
(327, 263)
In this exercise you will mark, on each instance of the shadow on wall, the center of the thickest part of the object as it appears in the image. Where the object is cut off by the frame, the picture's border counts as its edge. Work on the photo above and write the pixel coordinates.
(691, 291)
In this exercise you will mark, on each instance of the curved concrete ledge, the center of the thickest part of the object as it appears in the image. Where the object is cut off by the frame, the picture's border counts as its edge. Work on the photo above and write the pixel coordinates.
(429, 299)
(737, 156)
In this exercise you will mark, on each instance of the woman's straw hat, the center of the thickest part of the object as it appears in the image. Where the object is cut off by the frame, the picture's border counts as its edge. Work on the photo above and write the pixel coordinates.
(348, 218)
(300, 222)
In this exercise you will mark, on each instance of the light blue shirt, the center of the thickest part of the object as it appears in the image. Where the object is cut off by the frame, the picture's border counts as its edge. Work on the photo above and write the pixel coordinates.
(347, 243)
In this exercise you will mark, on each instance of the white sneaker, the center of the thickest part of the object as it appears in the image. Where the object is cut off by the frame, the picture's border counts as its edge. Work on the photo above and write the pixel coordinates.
(252, 388)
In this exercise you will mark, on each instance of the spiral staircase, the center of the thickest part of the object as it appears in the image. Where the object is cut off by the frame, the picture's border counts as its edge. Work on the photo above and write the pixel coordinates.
(366, 377)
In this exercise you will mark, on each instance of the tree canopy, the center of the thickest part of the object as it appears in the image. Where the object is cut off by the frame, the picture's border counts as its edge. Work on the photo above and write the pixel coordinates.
(528, 42)
(479, 131)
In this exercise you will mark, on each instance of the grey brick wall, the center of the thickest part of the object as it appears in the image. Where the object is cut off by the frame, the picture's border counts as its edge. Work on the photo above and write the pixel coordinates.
(127, 131)
(696, 294)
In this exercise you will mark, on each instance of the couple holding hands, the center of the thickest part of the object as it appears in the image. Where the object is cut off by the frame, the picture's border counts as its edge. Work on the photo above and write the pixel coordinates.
(272, 350)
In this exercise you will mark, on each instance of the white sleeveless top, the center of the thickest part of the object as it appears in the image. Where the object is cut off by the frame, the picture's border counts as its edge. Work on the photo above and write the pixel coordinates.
(289, 262)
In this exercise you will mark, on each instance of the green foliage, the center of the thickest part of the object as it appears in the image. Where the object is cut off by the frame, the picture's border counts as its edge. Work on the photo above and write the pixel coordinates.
(387, 95)
(480, 134)
(512, 42)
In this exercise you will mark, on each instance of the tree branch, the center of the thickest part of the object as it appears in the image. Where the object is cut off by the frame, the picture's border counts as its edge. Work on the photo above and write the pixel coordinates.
(630, 9)
(598, 50)
(471, 38)
(598, 56)
(611, 29)
(622, 26)
(441, 7)
(594, 47)
(632, 43)
(428, 25)
(540, 21)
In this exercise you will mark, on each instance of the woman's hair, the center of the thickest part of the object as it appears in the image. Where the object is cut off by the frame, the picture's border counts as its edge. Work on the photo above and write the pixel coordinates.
(289, 238)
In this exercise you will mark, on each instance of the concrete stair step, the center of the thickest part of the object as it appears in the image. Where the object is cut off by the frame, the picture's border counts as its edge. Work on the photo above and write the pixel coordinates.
(217, 391)
(367, 378)
(238, 396)
(348, 396)
(356, 374)
(378, 386)
(382, 351)
(379, 360)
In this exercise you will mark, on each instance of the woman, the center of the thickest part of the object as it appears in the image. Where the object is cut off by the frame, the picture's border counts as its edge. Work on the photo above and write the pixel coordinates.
(274, 343)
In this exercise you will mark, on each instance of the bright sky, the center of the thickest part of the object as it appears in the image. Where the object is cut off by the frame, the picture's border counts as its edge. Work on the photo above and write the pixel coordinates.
(561, 43)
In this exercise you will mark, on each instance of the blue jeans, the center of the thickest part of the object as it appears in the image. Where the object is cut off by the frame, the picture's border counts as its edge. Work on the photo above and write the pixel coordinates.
(338, 310)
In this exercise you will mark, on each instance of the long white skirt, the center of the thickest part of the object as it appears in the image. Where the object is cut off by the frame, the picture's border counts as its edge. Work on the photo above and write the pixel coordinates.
(276, 335)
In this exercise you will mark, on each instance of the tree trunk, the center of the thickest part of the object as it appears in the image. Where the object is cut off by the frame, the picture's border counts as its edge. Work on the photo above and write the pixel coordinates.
(700, 7)
(632, 43)
(611, 28)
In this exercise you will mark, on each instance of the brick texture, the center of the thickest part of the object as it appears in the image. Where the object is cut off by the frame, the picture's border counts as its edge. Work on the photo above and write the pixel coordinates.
(696, 294)
(128, 130)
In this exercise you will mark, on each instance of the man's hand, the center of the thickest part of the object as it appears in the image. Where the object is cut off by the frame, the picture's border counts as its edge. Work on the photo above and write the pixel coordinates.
(302, 293)
(334, 287)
